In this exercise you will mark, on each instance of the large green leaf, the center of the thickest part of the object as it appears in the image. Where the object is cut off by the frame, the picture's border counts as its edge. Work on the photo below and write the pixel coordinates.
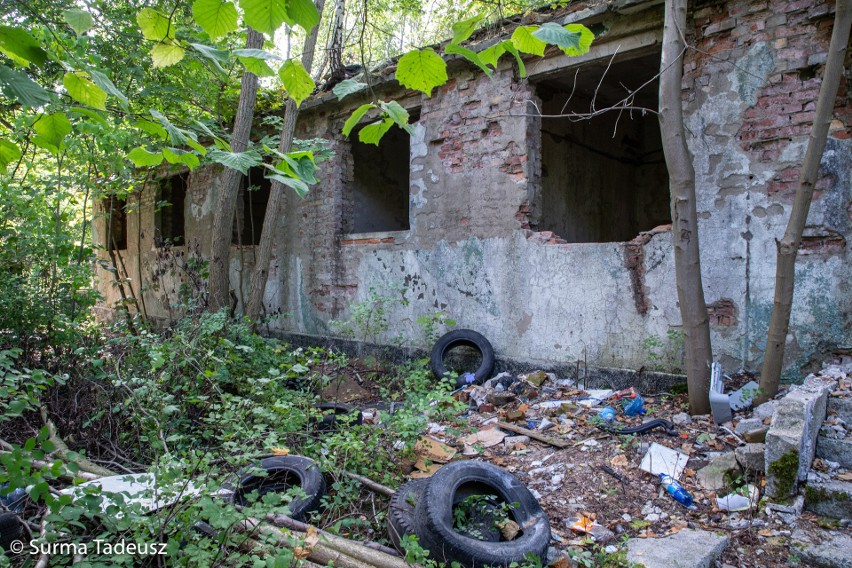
(241, 161)
(177, 156)
(143, 158)
(372, 133)
(585, 42)
(256, 53)
(491, 55)
(18, 86)
(215, 56)
(463, 30)
(468, 54)
(104, 82)
(151, 128)
(524, 40)
(83, 90)
(356, 117)
(176, 135)
(510, 47)
(297, 81)
(88, 113)
(347, 87)
(257, 66)
(557, 35)
(79, 20)
(265, 16)
(21, 47)
(422, 70)
(216, 138)
(166, 53)
(398, 114)
(215, 17)
(52, 130)
(303, 13)
(300, 165)
(9, 152)
(300, 187)
(154, 25)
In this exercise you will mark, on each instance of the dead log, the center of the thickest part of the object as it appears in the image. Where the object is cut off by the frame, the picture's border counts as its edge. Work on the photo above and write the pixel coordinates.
(370, 484)
(292, 524)
(533, 434)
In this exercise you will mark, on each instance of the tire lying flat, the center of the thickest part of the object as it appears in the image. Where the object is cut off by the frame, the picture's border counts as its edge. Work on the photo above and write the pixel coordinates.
(433, 518)
(463, 338)
(401, 511)
(336, 414)
(284, 473)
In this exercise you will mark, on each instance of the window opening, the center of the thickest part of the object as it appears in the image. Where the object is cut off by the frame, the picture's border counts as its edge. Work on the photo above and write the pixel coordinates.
(603, 179)
(251, 207)
(116, 225)
(169, 218)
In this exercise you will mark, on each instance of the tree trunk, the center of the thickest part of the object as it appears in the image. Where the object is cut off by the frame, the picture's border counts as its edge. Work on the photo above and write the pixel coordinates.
(229, 187)
(690, 292)
(264, 250)
(788, 247)
(337, 73)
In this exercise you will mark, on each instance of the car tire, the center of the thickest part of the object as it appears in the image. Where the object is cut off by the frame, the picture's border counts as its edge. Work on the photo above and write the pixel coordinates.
(337, 413)
(463, 338)
(283, 473)
(401, 511)
(433, 517)
(11, 529)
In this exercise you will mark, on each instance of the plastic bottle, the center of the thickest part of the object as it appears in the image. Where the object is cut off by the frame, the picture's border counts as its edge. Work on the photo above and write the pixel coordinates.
(607, 414)
(676, 490)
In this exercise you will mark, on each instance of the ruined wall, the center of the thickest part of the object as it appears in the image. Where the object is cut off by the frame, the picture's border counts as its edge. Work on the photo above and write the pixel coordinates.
(476, 196)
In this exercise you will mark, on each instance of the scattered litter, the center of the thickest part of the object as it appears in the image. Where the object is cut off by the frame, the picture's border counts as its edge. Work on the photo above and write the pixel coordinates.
(743, 499)
(635, 406)
(429, 448)
(719, 401)
(607, 414)
(483, 438)
(595, 397)
(742, 398)
(660, 459)
(676, 490)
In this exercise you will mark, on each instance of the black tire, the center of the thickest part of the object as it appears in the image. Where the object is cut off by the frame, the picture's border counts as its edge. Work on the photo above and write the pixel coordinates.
(433, 517)
(338, 413)
(11, 529)
(463, 338)
(283, 473)
(401, 511)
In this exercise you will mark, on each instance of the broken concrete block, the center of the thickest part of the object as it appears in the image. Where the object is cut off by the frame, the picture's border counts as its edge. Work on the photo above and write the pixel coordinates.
(835, 450)
(791, 439)
(834, 552)
(765, 410)
(500, 398)
(719, 473)
(751, 457)
(756, 436)
(842, 408)
(829, 499)
(512, 441)
(748, 424)
(536, 378)
(686, 549)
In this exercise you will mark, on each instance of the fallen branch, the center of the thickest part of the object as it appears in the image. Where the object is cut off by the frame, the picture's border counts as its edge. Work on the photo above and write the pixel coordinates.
(62, 450)
(70, 476)
(370, 484)
(533, 434)
(292, 524)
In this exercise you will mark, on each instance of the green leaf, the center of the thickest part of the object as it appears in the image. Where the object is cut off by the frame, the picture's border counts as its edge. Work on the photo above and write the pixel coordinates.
(585, 43)
(303, 13)
(88, 113)
(215, 56)
(176, 156)
(553, 33)
(79, 20)
(166, 53)
(300, 165)
(257, 54)
(215, 17)
(356, 117)
(193, 143)
(151, 128)
(265, 16)
(463, 30)
(491, 55)
(257, 66)
(398, 114)
(9, 152)
(241, 161)
(468, 54)
(154, 25)
(143, 158)
(422, 70)
(300, 187)
(176, 135)
(524, 40)
(372, 133)
(102, 81)
(18, 86)
(297, 81)
(21, 47)
(53, 128)
(83, 90)
(347, 87)
(216, 138)
(510, 47)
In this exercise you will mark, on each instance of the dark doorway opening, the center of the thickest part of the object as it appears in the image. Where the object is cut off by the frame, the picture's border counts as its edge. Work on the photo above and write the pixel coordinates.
(251, 208)
(169, 218)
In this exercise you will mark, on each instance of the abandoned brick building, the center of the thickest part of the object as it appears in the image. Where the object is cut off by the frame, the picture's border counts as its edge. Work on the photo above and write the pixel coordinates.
(550, 236)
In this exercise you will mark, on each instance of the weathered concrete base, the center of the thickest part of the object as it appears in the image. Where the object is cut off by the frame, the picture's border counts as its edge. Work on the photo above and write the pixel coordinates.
(834, 552)
(842, 408)
(687, 549)
(836, 450)
(751, 457)
(718, 473)
(791, 440)
(829, 499)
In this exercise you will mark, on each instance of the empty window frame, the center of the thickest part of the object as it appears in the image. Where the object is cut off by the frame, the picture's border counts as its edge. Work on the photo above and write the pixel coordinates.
(604, 178)
(251, 208)
(379, 188)
(169, 219)
(115, 227)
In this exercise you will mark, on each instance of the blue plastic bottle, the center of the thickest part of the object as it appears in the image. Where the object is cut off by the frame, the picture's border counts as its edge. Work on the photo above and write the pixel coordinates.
(676, 490)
